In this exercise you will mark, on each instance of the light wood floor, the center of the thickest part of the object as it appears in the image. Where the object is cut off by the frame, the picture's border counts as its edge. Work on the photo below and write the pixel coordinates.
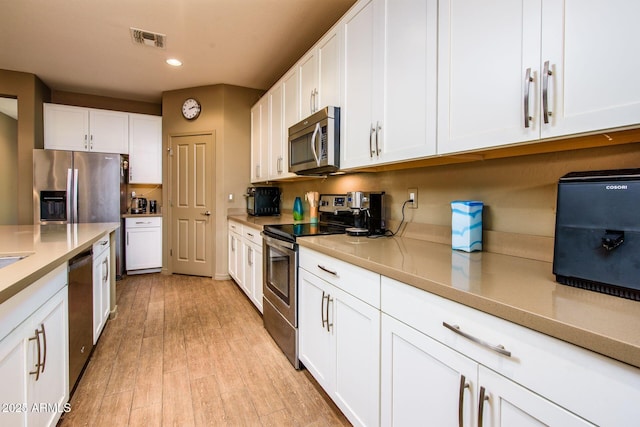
(188, 351)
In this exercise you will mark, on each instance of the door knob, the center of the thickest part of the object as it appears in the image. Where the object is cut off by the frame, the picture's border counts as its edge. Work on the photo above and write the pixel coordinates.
(207, 213)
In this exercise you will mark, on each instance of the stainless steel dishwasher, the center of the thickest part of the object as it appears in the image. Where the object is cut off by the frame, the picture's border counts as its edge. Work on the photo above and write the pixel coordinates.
(80, 314)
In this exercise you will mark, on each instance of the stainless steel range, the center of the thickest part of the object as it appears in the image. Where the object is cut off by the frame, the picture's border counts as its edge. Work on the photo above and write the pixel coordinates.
(280, 281)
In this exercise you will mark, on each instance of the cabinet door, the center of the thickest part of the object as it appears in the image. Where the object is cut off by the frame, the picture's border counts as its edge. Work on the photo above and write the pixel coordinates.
(109, 131)
(329, 55)
(278, 135)
(259, 140)
(423, 381)
(14, 371)
(233, 256)
(308, 75)
(51, 388)
(101, 293)
(66, 128)
(508, 404)
(249, 261)
(409, 42)
(145, 149)
(317, 345)
(256, 276)
(358, 124)
(594, 81)
(144, 248)
(356, 327)
(106, 287)
(485, 50)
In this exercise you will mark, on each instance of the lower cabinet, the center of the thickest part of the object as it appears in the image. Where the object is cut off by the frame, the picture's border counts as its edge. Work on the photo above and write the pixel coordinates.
(34, 355)
(245, 260)
(143, 244)
(101, 285)
(339, 345)
(426, 383)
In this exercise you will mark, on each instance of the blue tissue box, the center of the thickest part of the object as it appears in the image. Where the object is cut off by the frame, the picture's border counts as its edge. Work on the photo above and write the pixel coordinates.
(466, 225)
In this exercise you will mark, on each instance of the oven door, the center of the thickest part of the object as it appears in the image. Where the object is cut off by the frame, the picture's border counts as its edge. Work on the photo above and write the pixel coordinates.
(280, 277)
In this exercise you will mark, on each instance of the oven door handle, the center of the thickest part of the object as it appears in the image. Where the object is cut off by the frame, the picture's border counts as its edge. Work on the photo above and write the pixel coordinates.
(278, 243)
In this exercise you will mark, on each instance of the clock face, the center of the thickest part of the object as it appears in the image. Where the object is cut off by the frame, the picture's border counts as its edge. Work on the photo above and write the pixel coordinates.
(191, 109)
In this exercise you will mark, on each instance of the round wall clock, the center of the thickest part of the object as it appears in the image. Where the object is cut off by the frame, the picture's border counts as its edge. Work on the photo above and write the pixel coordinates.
(191, 109)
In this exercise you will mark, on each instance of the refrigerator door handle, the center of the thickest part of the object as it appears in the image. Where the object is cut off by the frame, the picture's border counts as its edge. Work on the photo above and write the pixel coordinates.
(75, 196)
(70, 196)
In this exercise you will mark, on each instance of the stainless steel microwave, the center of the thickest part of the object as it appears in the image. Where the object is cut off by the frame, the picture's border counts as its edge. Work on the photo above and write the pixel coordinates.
(314, 143)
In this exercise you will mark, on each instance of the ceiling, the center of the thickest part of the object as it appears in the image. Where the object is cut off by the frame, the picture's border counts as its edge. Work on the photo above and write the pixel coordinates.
(85, 46)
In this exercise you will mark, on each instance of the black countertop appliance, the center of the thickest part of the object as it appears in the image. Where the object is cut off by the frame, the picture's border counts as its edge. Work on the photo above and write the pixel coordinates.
(263, 201)
(597, 237)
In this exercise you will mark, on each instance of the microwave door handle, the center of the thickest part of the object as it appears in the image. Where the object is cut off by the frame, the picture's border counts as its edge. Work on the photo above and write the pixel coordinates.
(313, 143)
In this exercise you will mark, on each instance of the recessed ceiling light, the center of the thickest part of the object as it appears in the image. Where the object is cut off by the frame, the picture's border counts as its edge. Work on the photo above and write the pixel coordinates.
(175, 62)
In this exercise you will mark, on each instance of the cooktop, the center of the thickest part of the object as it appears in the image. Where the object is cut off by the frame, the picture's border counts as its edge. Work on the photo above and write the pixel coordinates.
(289, 232)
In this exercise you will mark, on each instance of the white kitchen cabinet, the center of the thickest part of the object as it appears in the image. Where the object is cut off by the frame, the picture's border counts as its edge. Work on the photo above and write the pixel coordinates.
(253, 263)
(143, 246)
(101, 285)
(319, 74)
(492, 84)
(145, 149)
(260, 140)
(424, 382)
(85, 129)
(340, 335)
(280, 98)
(34, 355)
(528, 377)
(235, 251)
(389, 99)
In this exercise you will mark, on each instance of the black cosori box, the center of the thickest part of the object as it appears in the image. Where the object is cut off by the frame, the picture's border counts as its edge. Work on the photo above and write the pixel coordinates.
(597, 238)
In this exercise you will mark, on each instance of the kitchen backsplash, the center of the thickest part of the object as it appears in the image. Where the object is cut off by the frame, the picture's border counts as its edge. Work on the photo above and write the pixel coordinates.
(519, 193)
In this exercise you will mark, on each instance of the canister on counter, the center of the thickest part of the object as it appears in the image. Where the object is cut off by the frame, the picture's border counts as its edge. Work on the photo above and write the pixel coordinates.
(466, 225)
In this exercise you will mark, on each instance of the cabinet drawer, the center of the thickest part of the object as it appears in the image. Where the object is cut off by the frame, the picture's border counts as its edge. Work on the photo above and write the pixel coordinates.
(147, 221)
(100, 246)
(357, 281)
(252, 235)
(568, 375)
(235, 227)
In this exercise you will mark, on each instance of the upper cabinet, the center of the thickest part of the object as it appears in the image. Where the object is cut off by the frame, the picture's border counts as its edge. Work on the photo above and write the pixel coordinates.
(389, 98)
(259, 140)
(546, 68)
(145, 149)
(85, 129)
(319, 74)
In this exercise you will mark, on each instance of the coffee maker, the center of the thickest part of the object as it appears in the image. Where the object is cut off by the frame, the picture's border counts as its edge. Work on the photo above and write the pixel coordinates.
(368, 209)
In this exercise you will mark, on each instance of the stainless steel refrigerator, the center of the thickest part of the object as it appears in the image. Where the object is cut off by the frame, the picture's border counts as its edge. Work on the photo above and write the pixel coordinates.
(77, 187)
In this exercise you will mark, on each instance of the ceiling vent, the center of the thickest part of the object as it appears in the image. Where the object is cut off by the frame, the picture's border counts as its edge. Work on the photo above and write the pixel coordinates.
(147, 38)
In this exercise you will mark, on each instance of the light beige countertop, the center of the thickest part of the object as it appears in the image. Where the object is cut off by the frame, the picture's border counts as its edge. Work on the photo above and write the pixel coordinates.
(258, 222)
(130, 215)
(47, 246)
(519, 290)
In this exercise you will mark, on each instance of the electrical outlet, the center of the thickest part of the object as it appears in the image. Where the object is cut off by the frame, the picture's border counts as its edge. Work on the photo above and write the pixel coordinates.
(413, 195)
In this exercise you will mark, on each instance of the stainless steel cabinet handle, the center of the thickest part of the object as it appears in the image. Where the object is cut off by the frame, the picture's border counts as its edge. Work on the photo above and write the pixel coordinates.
(42, 357)
(378, 129)
(105, 276)
(311, 101)
(86, 143)
(250, 255)
(233, 244)
(483, 397)
(91, 143)
(371, 150)
(127, 238)
(463, 385)
(527, 85)
(329, 325)
(257, 171)
(322, 310)
(546, 72)
(250, 235)
(323, 268)
(497, 348)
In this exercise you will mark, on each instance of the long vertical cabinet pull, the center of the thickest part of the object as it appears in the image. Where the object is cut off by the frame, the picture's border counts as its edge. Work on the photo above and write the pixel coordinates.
(42, 356)
(371, 150)
(527, 86)
(322, 310)
(378, 129)
(329, 324)
(545, 91)
(483, 397)
(250, 256)
(463, 385)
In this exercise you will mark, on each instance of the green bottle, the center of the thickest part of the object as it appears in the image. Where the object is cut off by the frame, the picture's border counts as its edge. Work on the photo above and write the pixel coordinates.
(297, 209)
